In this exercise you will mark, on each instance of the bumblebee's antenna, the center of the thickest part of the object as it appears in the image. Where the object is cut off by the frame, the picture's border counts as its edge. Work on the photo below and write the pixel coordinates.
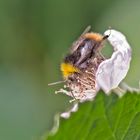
(55, 83)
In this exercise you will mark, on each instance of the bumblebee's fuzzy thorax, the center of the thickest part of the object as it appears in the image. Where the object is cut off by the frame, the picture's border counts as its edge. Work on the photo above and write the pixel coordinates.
(94, 36)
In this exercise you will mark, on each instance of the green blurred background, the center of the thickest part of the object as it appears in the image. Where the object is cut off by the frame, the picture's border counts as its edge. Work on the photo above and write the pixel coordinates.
(34, 36)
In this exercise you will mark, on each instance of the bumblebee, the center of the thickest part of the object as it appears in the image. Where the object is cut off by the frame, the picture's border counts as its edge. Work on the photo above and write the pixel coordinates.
(80, 64)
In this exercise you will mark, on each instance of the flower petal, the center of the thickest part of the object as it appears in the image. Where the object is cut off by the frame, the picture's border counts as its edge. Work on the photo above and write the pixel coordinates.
(67, 114)
(112, 71)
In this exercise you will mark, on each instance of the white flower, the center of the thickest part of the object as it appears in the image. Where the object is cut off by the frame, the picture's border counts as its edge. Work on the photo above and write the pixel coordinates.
(105, 74)
(113, 70)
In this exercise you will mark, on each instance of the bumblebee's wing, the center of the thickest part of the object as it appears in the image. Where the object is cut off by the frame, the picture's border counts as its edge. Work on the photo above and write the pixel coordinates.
(88, 28)
(76, 44)
(112, 71)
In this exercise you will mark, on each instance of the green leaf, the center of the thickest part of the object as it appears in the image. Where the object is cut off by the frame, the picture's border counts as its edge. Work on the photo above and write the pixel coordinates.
(105, 118)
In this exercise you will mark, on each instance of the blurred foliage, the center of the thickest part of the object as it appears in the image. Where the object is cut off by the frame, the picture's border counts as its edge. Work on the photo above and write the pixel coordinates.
(34, 37)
